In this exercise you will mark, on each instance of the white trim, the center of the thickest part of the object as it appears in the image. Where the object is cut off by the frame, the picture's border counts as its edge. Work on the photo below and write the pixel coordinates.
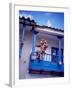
(12, 46)
(49, 31)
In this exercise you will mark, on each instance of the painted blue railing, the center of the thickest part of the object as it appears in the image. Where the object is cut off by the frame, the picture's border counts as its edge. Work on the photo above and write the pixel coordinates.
(46, 57)
(46, 64)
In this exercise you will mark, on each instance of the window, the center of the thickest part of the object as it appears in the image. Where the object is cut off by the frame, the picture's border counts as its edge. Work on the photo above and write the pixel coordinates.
(55, 55)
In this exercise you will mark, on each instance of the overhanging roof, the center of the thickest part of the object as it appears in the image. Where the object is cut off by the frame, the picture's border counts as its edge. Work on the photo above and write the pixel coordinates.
(51, 31)
(43, 29)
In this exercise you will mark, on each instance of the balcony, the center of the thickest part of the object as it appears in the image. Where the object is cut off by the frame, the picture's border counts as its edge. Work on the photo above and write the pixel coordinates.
(45, 66)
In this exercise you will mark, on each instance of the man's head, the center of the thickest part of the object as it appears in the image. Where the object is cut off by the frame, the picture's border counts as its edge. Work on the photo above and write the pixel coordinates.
(43, 41)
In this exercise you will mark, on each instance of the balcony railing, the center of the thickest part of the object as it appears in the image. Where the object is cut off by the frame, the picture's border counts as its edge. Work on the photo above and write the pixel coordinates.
(47, 63)
(45, 57)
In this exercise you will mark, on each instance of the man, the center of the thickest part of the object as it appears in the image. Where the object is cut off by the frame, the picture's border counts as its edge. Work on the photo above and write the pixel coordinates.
(43, 46)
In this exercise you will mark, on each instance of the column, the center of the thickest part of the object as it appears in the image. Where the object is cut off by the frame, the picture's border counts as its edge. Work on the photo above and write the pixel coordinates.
(23, 34)
(59, 48)
(34, 42)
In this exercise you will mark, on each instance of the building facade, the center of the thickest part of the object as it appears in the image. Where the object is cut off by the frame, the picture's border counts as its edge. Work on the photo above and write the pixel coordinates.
(30, 35)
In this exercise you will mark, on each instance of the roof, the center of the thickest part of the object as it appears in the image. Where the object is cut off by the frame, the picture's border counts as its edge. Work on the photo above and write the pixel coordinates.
(50, 30)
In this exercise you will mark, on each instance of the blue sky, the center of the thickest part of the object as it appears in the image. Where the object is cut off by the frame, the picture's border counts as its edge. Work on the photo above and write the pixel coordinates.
(51, 19)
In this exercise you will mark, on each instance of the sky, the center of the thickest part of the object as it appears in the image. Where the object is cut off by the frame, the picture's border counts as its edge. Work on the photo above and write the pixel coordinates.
(50, 19)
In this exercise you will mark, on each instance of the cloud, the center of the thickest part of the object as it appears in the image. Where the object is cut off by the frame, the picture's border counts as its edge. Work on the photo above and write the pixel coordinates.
(48, 13)
(49, 24)
(27, 16)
